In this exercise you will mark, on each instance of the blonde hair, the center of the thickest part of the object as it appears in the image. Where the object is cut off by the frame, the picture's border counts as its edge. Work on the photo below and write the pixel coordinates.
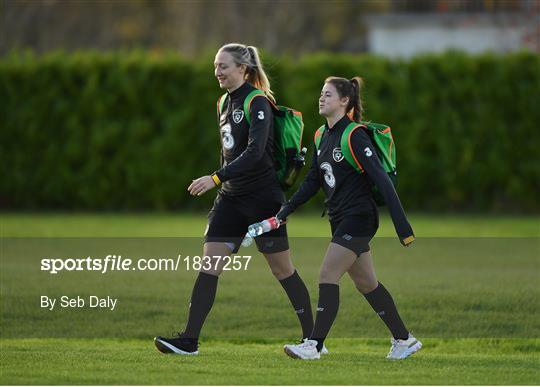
(249, 56)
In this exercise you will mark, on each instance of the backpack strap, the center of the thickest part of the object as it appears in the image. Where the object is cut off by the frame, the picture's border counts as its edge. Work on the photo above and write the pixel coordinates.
(247, 103)
(346, 146)
(249, 99)
(317, 137)
(382, 139)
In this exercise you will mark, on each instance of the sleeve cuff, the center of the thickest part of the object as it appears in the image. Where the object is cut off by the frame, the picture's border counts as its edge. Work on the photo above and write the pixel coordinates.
(220, 175)
(216, 179)
(408, 240)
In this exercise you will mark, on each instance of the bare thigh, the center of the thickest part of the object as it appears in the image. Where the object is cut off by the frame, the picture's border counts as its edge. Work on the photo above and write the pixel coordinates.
(215, 251)
(337, 261)
(362, 272)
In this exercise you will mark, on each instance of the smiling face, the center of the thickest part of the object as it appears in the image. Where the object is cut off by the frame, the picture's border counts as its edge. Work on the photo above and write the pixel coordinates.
(229, 75)
(330, 103)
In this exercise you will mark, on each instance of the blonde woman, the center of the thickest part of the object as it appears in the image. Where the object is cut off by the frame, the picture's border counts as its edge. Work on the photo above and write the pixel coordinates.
(249, 191)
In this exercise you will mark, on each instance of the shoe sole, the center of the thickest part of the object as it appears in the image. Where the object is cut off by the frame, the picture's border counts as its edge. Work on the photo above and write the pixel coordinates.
(164, 347)
(294, 355)
(411, 351)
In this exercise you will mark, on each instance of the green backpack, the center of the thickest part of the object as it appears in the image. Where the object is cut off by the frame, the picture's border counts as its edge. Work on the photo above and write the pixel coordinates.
(288, 128)
(381, 137)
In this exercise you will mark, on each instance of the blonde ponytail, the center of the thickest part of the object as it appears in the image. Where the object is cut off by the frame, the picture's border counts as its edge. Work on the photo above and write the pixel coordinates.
(257, 76)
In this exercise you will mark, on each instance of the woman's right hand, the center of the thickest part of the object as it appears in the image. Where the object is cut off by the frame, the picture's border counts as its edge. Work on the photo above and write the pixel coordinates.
(201, 185)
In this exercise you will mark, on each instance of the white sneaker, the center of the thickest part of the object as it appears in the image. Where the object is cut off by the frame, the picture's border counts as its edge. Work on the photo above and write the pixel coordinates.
(402, 349)
(324, 350)
(306, 350)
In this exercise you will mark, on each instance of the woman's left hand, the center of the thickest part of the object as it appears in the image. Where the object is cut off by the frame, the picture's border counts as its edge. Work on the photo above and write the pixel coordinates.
(201, 185)
(407, 241)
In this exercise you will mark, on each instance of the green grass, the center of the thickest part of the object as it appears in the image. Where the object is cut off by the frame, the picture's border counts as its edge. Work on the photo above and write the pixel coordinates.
(474, 302)
(351, 362)
(192, 225)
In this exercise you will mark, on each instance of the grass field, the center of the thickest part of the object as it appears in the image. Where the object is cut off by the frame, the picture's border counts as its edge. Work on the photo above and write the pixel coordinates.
(192, 225)
(352, 362)
(468, 289)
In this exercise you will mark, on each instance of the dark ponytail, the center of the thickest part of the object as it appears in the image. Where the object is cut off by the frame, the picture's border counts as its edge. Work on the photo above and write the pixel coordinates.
(355, 103)
(349, 88)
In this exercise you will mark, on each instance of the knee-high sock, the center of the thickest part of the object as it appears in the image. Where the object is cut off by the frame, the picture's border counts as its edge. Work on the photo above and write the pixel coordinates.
(202, 299)
(382, 303)
(327, 309)
(299, 297)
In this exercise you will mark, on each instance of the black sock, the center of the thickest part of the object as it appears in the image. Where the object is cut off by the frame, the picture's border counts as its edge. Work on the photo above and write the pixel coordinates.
(299, 296)
(202, 299)
(326, 312)
(382, 303)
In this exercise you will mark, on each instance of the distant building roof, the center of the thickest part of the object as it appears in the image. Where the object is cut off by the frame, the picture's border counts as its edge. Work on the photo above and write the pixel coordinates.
(411, 19)
(404, 35)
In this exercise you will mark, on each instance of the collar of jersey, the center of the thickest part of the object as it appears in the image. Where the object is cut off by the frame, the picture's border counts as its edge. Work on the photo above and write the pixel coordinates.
(340, 125)
(241, 91)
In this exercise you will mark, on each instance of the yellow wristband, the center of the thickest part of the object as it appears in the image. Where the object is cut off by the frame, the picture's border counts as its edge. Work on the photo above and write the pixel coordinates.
(216, 179)
(408, 240)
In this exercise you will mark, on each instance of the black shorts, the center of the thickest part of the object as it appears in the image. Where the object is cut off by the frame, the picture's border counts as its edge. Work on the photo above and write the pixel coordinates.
(229, 218)
(354, 232)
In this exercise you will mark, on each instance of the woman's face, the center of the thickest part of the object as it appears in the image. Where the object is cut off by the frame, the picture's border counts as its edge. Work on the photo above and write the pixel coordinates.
(330, 104)
(228, 73)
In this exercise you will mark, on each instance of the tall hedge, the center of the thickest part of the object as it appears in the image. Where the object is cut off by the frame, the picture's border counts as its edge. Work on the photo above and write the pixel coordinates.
(129, 130)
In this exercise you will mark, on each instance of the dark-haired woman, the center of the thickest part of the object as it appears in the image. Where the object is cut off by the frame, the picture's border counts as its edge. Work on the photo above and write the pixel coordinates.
(249, 192)
(353, 217)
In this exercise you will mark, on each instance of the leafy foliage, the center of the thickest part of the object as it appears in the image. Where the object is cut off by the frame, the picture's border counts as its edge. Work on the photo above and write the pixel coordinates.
(129, 130)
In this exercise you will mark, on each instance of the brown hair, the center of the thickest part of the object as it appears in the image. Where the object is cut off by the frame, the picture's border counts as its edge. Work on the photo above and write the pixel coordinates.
(349, 88)
(249, 56)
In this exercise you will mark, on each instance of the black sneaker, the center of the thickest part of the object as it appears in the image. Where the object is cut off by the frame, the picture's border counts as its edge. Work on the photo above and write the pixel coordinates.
(178, 344)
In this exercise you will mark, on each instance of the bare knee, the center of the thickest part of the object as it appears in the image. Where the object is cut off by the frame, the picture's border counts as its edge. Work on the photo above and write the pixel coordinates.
(211, 266)
(364, 282)
(280, 264)
(363, 274)
(282, 273)
(212, 261)
(215, 272)
(328, 277)
(281, 270)
(366, 285)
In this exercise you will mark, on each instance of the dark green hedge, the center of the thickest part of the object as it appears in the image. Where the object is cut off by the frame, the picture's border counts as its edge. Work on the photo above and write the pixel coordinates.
(129, 130)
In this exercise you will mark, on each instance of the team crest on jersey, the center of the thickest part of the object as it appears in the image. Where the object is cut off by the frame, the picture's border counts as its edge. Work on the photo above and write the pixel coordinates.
(237, 116)
(337, 155)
